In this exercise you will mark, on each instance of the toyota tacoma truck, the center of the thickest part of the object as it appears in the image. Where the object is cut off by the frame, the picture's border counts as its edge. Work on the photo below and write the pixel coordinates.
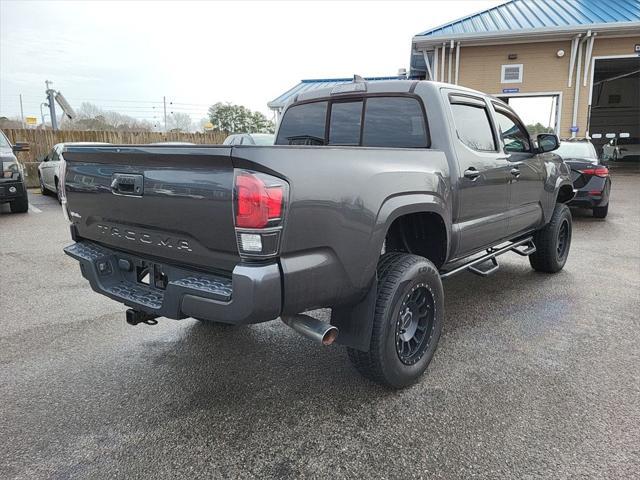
(372, 195)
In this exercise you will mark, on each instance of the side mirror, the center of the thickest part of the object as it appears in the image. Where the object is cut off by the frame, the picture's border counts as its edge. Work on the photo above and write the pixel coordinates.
(547, 142)
(21, 147)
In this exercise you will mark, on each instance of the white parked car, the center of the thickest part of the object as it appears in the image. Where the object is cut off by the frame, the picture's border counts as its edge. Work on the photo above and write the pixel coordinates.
(622, 148)
(48, 170)
(249, 139)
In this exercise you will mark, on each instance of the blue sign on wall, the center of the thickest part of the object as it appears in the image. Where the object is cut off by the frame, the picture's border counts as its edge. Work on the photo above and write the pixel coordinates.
(574, 129)
(510, 90)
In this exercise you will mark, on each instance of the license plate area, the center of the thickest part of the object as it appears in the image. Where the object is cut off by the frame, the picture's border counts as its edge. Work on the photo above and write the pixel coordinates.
(152, 275)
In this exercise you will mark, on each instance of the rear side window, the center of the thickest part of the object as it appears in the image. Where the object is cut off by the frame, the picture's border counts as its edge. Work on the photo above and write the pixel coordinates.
(303, 125)
(344, 127)
(473, 127)
(388, 122)
(394, 122)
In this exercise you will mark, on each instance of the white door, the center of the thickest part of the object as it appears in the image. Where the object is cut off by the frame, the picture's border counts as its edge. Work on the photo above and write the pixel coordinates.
(49, 169)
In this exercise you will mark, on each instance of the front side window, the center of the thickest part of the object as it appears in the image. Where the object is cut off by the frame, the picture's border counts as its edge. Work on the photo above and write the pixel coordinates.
(303, 124)
(344, 127)
(394, 122)
(473, 127)
(3, 140)
(54, 156)
(514, 137)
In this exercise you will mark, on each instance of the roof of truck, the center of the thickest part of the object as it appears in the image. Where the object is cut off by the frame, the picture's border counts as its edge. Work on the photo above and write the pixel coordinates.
(386, 86)
(316, 84)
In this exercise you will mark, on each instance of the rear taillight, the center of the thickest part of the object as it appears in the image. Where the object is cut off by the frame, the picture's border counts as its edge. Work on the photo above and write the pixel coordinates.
(259, 207)
(258, 203)
(598, 171)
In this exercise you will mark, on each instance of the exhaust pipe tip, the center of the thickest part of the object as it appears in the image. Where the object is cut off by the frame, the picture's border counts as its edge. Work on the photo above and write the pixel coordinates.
(320, 332)
(330, 336)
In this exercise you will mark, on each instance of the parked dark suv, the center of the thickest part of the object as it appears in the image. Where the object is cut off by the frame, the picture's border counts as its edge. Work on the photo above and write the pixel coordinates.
(13, 189)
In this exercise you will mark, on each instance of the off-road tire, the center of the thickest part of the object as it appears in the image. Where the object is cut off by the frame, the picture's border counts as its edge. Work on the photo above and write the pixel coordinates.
(401, 275)
(601, 212)
(19, 205)
(553, 242)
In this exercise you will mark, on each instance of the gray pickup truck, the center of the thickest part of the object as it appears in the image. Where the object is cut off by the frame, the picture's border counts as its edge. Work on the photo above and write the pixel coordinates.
(372, 195)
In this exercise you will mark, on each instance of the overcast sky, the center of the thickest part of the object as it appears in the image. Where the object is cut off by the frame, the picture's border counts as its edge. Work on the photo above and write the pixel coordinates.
(126, 56)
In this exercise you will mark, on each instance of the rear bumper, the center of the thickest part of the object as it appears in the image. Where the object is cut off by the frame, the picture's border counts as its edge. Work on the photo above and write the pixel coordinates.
(252, 294)
(594, 194)
(6, 195)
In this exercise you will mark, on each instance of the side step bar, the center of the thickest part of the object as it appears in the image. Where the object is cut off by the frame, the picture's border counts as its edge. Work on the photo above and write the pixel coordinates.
(524, 247)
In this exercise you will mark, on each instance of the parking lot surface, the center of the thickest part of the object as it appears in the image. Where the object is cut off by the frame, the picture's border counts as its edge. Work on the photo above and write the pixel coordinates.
(536, 375)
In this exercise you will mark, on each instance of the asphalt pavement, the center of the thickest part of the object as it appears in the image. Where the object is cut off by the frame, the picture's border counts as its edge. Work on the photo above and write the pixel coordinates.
(536, 376)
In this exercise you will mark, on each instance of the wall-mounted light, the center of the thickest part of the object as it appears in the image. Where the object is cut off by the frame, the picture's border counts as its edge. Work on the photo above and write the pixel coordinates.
(560, 53)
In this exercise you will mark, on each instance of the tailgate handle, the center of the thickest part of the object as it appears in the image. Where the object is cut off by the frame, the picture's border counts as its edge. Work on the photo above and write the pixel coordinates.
(127, 184)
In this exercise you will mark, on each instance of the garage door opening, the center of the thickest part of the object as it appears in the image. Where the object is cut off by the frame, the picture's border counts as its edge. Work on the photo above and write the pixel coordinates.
(538, 112)
(614, 108)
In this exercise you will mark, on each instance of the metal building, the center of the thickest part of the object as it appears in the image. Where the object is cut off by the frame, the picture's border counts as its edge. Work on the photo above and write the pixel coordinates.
(582, 54)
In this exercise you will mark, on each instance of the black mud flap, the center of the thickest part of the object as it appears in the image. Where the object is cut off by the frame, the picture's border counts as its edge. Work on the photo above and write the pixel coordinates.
(355, 322)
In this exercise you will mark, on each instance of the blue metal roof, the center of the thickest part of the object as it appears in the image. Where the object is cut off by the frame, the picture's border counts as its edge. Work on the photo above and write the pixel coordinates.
(316, 84)
(529, 14)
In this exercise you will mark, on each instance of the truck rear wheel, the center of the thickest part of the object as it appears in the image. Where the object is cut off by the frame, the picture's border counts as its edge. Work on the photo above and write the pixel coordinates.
(407, 324)
(553, 242)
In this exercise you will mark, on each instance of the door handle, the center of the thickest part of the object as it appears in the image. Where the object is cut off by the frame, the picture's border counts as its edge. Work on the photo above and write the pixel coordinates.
(471, 173)
(515, 172)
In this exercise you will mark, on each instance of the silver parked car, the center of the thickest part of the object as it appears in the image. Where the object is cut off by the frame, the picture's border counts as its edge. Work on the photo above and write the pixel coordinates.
(249, 139)
(621, 149)
(49, 168)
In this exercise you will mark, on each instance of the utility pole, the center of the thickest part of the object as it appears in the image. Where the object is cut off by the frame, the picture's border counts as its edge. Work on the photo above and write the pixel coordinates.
(164, 101)
(52, 105)
(21, 112)
(43, 104)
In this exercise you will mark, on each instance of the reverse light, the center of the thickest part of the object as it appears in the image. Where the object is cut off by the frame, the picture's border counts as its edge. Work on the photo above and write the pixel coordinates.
(597, 171)
(259, 206)
(250, 242)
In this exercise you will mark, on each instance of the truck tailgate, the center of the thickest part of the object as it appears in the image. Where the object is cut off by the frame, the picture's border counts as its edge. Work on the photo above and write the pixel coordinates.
(169, 202)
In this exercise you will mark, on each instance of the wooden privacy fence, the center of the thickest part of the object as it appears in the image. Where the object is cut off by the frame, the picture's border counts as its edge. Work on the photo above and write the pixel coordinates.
(41, 141)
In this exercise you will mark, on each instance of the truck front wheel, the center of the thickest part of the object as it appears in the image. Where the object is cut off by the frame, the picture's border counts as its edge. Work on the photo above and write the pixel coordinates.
(407, 324)
(20, 205)
(553, 242)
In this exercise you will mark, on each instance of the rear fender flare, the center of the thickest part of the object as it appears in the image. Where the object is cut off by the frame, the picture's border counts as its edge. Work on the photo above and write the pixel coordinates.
(355, 322)
(395, 207)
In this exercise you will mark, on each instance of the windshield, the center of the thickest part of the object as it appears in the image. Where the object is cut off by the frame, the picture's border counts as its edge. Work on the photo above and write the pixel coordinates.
(577, 150)
(3, 141)
(263, 138)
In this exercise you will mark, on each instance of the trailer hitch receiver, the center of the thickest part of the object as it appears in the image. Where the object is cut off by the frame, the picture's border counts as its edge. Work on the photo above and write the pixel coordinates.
(134, 317)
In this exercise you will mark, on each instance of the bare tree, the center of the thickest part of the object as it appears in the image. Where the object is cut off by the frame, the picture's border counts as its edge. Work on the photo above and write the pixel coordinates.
(92, 117)
(179, 122)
